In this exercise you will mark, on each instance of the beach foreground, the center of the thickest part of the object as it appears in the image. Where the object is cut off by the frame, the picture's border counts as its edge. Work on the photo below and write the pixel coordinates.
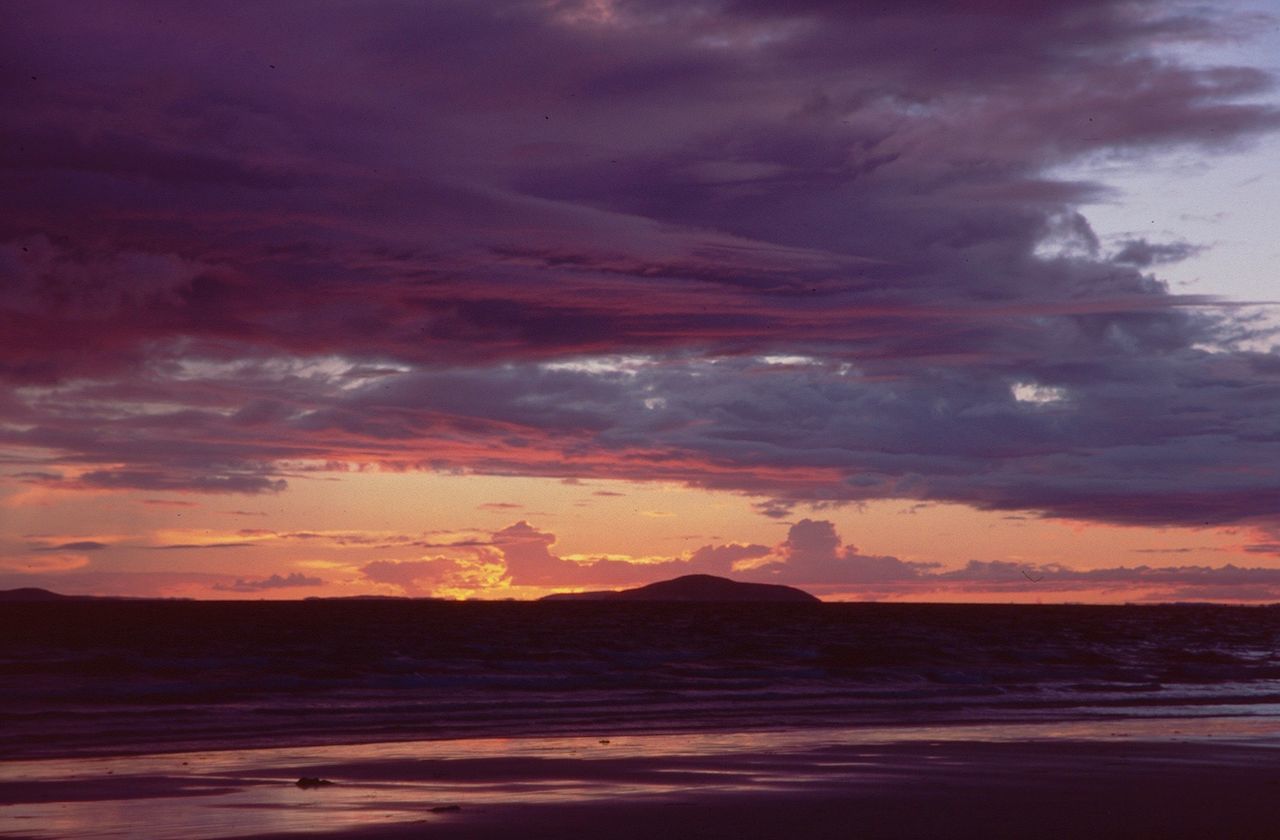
(1201, 777)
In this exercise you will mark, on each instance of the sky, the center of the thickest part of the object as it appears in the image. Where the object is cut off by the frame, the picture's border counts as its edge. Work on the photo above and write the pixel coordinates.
(889, 301)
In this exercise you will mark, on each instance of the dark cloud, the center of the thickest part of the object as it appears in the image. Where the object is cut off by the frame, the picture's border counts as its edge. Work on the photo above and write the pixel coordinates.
(80, 545)
(290, 581)
(775, 508)
(152, 480)
(1264, 548)
(813, 252)
(1164, 583)
(1169, 550)
(1141, 253)
(37, 477)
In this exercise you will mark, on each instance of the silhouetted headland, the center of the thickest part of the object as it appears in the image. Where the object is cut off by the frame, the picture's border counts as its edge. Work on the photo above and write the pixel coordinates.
(30, 593)
(35, 593)
(707, 588)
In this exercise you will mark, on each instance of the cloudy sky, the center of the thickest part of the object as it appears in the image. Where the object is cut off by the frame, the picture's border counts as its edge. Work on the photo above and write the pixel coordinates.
(939, 301)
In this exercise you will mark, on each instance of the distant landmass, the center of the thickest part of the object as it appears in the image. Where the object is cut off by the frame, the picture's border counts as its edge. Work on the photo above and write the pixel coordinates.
(365, 598)
(34, 593)
(704, 588)
(707, 588)
(31, 593)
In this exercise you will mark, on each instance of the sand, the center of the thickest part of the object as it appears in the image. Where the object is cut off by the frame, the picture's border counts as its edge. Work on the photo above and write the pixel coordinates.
(1173, 778)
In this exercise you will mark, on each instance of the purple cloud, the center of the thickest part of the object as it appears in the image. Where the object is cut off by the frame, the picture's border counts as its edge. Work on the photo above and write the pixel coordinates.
(1141, 253)
(79, 545)
(290, 581)
(810, 252)
(1163, 583)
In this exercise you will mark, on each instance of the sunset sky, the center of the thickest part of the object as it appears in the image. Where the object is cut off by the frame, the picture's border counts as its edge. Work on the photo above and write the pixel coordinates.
(886, 300)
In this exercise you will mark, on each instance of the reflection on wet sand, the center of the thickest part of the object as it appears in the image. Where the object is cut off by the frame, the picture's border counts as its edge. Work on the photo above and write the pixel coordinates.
(229, 793)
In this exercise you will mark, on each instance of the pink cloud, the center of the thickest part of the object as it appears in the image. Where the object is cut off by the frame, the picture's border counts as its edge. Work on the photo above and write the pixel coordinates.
(813, 556)
(526, 552)
(56, 562)
(413, 577)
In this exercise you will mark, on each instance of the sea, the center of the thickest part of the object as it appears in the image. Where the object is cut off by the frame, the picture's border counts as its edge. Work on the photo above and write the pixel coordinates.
(108, 677)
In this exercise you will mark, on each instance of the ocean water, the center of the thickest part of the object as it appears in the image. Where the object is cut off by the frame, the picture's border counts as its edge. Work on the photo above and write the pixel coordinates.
(115, 677)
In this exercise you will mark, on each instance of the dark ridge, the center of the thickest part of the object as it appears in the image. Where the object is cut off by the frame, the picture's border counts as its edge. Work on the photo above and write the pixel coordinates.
(696, 588)
(31, 593)
(365, 598)
(34, 593)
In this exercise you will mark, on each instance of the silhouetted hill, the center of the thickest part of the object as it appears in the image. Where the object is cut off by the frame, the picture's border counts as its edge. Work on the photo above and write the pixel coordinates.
(696, 588)
(31, 593)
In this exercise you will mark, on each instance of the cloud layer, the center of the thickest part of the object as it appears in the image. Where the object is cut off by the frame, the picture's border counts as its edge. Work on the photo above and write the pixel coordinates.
(811, 252)
(290, 581)
(814, 557)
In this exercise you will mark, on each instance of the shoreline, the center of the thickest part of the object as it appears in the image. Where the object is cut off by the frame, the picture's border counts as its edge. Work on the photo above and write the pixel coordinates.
(1114, 778)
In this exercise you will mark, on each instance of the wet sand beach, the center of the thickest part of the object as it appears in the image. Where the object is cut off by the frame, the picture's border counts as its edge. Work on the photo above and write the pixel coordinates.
(1182, 778)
